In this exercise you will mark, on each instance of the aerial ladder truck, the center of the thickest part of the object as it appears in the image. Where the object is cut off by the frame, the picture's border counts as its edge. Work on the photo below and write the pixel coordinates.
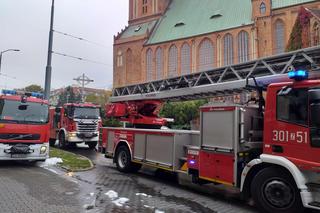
(268, 150)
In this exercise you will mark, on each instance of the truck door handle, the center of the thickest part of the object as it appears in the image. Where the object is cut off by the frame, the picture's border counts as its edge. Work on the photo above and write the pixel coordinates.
(277, 148)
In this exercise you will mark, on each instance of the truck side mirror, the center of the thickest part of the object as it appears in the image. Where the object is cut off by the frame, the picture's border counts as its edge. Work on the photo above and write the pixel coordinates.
(314, 95)
(314, 104)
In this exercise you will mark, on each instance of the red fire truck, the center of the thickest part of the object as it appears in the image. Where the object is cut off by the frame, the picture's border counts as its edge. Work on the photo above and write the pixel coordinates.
(24, 126)
(75, 123)
(269, 151)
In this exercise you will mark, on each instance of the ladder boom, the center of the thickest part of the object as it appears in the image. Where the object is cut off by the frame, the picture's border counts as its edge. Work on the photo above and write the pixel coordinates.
(223, 80)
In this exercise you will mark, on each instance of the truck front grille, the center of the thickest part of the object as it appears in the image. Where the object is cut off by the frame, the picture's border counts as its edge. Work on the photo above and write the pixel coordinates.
(85, 127)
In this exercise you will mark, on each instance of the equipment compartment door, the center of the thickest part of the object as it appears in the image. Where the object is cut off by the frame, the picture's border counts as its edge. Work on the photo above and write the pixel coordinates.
(217, 167)
(160, 149)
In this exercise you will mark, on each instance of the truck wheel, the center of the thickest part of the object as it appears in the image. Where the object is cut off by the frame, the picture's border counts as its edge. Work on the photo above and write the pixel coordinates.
(52, 141)
(62, 141)
(274, 190)
(92, 145)
(123, 159)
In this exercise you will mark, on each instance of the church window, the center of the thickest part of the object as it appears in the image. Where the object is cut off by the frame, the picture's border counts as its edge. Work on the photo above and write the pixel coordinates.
(228, 49)
(206, 55)
(149, 65)
(173, 62)
(159, 63)
(279, 37)
(185, 59)
(243, 46)
(263, 8)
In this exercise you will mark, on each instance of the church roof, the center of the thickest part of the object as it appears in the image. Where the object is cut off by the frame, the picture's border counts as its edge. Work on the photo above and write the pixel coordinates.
(138, 29)
(188, 18)
(276, 4)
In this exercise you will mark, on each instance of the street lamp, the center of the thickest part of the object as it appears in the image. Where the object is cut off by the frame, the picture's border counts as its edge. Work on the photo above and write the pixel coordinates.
(8, 50)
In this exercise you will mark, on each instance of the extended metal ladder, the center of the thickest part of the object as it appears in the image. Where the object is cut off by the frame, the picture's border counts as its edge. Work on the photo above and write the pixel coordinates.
(224, 80)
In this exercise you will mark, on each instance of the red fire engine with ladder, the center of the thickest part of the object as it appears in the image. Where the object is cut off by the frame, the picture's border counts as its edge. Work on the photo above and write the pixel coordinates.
(24, 126)
(268, 150)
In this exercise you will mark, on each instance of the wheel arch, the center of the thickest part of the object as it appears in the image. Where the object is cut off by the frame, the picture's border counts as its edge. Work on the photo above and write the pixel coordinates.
(62, 130)
(122, 143)
(266, 161)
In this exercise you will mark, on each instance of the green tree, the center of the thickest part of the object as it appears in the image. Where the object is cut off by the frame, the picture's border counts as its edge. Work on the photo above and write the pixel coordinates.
(33, 88)
(182, 112)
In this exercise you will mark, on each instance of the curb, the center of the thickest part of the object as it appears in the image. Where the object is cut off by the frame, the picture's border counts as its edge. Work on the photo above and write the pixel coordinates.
(77, 170)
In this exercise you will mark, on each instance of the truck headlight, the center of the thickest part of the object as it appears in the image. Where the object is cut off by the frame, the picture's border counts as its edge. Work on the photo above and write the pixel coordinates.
(43, 150)
(72, 134)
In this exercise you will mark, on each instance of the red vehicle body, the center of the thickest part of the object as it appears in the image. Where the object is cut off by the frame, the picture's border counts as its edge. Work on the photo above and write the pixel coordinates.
(75, 123)
(24, 127)
(270, 153)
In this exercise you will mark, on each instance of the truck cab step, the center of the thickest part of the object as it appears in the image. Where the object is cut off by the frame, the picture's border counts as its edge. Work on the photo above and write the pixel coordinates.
(315, 204)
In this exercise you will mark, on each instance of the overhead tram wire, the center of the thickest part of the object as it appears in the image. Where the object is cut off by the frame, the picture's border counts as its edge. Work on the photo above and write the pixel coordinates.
(81, 59)
(79, 38)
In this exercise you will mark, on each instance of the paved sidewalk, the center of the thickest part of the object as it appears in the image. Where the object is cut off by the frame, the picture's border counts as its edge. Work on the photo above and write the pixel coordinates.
(26, 188)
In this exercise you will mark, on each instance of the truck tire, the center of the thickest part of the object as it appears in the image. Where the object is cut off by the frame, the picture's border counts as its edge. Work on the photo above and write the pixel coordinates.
(92, 145)
(274, 190)
(62, 141)
(52, 141)
(123, 160)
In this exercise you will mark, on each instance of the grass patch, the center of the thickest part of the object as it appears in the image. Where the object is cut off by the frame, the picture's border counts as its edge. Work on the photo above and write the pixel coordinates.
(71, 162)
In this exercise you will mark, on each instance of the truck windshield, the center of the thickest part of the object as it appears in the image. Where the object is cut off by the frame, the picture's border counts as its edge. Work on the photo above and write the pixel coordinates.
(17, 112)
(86, 112)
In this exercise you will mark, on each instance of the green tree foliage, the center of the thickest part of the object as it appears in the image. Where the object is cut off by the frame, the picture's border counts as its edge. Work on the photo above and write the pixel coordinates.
(33, 88)
(68, 96)
(182, 112)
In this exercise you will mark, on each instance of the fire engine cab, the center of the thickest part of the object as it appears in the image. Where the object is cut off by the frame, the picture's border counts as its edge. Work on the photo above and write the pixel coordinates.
(75, 123)
(24, 126)
(267, 148)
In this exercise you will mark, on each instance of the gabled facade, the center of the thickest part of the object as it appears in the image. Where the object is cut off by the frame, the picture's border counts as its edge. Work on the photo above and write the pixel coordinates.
(167, 38)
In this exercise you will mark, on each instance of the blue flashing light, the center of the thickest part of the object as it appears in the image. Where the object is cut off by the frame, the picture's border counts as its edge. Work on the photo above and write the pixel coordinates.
(37, 95)
(192, 162)
(298, 75)
(9, 92)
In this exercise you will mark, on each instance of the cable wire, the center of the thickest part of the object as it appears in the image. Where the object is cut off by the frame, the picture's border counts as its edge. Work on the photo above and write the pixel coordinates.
(79, 38)
(80, 58)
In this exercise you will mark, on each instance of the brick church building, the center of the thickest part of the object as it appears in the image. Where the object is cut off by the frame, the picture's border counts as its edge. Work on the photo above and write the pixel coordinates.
(168, 38)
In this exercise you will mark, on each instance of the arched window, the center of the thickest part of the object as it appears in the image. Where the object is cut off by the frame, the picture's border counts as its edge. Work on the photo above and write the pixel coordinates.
(243, 47)
(206, 55)
(228, 49)
(149, 65)
(279, 37)
(119, 59)
(185, 59)
(316, 34)
(173, 61)
(159, 63)
(129, 66)
(263, 8)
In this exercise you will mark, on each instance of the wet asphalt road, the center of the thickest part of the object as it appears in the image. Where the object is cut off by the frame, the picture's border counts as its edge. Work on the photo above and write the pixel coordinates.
(147, 191)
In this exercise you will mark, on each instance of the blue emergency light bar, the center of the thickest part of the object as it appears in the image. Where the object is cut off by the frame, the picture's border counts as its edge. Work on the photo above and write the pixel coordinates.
(9, 92)
(37, 95)
(28, 94)
(298, 75)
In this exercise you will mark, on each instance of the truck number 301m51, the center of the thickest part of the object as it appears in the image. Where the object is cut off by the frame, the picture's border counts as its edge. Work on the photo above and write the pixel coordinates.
(286, 136)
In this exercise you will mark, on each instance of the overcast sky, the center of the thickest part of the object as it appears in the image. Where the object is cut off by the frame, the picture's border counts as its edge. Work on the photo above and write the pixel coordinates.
(24, 24)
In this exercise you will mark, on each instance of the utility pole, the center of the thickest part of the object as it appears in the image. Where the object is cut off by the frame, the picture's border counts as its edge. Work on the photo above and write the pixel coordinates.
(47, 85)
(83, 80)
